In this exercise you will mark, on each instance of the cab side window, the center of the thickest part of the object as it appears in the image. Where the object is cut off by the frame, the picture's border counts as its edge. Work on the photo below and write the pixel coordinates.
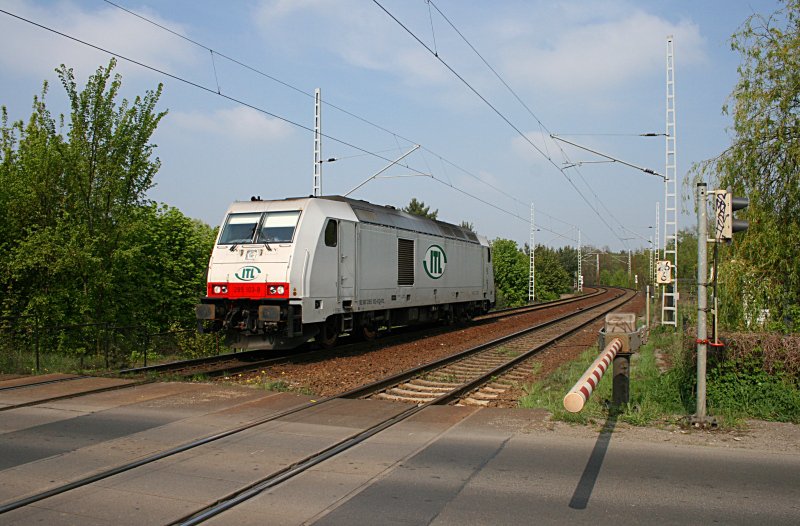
(331, 233)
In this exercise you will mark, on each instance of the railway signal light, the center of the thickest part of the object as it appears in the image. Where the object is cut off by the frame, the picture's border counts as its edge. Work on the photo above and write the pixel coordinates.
(725, 205)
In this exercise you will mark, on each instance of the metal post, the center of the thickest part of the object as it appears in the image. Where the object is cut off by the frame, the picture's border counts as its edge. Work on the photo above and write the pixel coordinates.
(580, 264)
(647, 308)
(702, 300)
(106, 343)
(317, 187)
(36, 339)
(620, 390)
(532, 273)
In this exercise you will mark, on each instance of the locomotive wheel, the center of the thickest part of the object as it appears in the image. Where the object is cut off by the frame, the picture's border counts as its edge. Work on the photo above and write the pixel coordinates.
(369, 332)
(328, 333)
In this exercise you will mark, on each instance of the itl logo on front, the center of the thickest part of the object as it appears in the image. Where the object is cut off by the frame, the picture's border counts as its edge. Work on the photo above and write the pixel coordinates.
(248, 273)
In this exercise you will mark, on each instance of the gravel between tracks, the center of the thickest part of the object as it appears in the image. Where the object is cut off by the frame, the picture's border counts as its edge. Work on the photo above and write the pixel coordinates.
(329, 376)
(337, 374)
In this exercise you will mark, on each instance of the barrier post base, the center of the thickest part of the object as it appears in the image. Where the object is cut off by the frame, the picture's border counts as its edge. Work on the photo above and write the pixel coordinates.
(620, 393)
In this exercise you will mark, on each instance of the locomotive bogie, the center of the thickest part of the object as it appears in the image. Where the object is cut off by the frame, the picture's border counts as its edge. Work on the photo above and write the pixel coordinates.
(283, 272)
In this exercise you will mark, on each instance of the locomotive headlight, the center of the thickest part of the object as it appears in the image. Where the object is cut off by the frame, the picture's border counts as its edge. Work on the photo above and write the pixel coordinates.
(281, 290)
(217, 289)
(224, 289)
(273, 289)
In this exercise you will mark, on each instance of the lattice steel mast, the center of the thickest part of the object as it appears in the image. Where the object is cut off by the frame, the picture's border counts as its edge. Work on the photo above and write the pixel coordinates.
(532, 274)
(669, 295)
(317, 189)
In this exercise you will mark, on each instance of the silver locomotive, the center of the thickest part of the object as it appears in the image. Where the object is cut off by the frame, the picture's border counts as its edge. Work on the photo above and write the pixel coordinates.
(287, 271)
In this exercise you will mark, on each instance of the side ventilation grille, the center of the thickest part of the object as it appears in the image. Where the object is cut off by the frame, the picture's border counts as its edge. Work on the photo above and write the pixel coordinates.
(405, 262)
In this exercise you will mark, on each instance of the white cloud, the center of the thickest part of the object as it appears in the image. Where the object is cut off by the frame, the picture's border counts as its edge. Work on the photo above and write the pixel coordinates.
(240, 123)
(357, 32)
(577, 50)
(37, 51)
(598, 55)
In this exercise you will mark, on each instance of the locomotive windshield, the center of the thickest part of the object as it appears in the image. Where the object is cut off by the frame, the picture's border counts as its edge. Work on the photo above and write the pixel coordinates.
(278, 227)
(258, 227)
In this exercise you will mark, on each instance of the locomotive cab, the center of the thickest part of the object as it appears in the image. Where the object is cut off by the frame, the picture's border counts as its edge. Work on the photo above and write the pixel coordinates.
(248, 285)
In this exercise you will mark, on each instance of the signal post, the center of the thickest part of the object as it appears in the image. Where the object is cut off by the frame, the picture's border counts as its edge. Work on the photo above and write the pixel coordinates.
(725, 226)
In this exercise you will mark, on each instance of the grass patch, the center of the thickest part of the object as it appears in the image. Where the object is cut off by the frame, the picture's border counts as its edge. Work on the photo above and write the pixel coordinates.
(23, 362)
(511, 353)
(284, 387)
(653, 395)
(741, 383)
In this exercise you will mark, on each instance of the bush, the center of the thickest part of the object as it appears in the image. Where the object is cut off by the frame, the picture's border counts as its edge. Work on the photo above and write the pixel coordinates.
(756, 375)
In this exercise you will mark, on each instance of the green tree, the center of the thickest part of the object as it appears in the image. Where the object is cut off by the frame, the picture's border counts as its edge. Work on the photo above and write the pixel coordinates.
(418, 208)
(687, 261)
(511, 271)
(72, 199)
(164, 266)
(568, 258)
(552, 279)
(760, 269)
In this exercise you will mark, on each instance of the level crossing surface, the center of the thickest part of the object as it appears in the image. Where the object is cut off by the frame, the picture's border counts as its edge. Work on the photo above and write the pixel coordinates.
(445, 465)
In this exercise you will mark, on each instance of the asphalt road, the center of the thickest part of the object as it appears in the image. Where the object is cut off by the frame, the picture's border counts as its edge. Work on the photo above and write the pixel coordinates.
(445, 466)
(480, 472)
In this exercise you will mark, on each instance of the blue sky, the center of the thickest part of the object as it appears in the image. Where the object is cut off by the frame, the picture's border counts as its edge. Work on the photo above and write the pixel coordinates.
(592, 71)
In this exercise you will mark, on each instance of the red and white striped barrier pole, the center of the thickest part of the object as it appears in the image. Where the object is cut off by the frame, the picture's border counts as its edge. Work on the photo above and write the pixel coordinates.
(577, 396)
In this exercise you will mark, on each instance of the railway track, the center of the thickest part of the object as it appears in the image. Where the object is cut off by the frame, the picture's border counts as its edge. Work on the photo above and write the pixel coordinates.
(211, 366)
(465, 369)
(501, 361)
(228, 364)
(78, 386)
(24, 381)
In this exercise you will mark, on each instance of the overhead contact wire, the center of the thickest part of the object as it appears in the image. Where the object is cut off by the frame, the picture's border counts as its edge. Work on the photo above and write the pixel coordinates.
(334, 106)
(205, 88)
(502, 116)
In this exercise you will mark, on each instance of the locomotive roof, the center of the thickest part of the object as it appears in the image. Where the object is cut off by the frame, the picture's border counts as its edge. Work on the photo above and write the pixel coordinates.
(390, 216)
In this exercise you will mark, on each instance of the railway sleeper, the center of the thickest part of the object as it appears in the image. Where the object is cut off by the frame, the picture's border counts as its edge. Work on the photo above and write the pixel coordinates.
(504, 382)
(452, 377)
(426, 388)
(473, 402)
(468, 370)
(482, 395)
(395, 398)
(430, 383)
(489, 360)
(409, 393)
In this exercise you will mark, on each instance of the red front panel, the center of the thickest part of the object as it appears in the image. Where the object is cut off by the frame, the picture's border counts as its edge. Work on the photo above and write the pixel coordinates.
(248, 290)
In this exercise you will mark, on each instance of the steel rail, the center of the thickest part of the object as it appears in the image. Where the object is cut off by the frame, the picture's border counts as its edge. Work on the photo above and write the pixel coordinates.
(180, 364)
(177, 366)
(75, 395)
(45, 382)
(357, 392)
(251, 490)
(512, 311)
(410, 373)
